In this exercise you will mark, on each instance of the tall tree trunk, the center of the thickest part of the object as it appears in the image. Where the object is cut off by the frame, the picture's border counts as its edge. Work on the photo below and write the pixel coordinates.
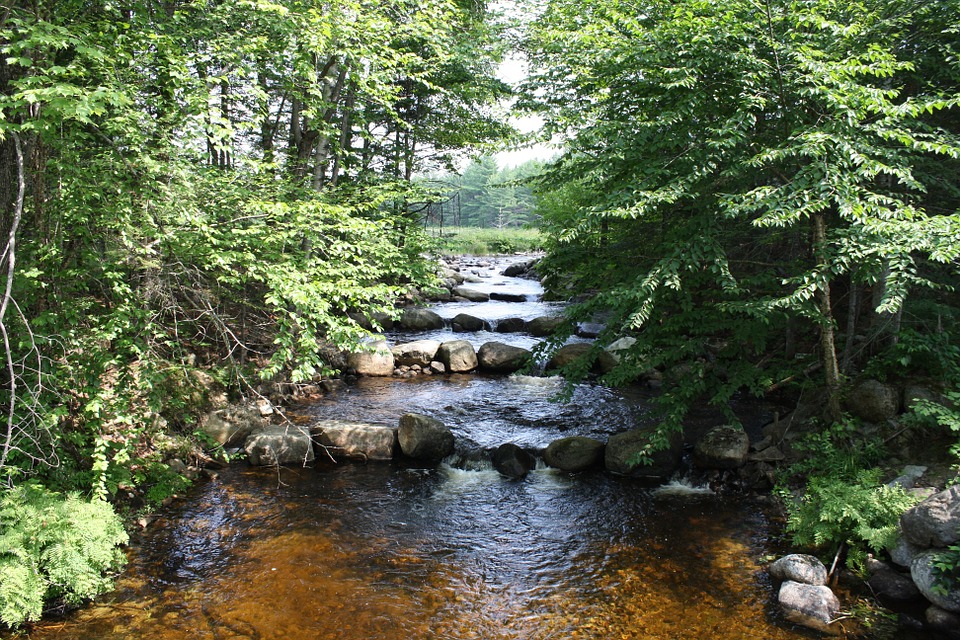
(828, 345)
(853, 310)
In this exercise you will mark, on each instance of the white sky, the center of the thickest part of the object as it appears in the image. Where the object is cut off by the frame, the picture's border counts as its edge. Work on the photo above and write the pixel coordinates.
(512, 71)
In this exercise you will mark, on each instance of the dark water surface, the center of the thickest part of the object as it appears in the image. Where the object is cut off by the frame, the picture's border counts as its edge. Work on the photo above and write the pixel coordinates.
(382, 551)
(393, 551)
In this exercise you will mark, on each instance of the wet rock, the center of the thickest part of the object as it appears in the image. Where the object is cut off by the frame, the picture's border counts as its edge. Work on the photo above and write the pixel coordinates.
(945, 623)
(873, 401)
(437, 368)
(231, 426)
(377, 361)
(497, 357)
(935, 522)
(415, 319)
(279, 445)
(342, 439)
(457, 356)
(420, 353)
(503, 296)
(624, 450)
(545, 325)
(800, 567)
(471, 294)
(809, 605)
(889, 584)
(511, 325)
(922, 572)
(424, 438)
(513, 461)
(574, 454)
(465, 323)
(723, 447)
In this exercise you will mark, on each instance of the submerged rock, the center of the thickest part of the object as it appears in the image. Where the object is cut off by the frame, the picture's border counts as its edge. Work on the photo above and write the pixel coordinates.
(424, 438)
(574, 454)
(279, 445)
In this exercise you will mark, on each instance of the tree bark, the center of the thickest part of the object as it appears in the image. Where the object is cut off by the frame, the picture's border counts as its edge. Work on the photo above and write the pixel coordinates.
(828, 345)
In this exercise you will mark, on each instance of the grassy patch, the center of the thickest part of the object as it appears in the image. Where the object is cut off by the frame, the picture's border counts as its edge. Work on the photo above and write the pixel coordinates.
(477, 241)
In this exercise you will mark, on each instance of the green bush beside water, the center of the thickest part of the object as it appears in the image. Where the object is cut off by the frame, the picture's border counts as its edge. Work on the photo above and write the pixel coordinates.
(481, 242)
(54, 547)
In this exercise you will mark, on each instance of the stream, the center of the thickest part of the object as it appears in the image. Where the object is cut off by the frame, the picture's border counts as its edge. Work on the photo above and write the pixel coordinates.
(456, 551)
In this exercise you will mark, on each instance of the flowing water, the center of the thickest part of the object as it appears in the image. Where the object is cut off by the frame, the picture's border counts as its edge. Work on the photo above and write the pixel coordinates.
(401, 551)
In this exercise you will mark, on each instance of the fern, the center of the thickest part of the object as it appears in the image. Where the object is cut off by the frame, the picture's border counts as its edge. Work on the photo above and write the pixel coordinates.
(54, 546)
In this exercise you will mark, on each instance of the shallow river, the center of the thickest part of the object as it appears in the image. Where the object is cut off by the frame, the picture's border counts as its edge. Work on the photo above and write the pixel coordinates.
(397, 551)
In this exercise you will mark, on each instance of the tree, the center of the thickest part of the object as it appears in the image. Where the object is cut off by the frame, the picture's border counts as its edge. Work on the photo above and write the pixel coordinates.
(741, 162)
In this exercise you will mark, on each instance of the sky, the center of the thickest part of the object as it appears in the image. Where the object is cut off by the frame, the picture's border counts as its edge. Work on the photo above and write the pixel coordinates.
(513, 70)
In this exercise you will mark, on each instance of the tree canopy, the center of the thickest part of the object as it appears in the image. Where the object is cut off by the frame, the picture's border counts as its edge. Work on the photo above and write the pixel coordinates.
(733, 170)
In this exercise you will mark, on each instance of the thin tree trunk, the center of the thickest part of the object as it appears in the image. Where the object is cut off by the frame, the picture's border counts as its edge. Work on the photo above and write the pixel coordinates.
(828, 346)
(853, 309)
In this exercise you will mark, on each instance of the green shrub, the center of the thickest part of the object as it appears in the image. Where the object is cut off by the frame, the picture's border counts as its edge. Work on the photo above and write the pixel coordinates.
(54, 546)
(858, 512)
(844, 503)
(477, 241)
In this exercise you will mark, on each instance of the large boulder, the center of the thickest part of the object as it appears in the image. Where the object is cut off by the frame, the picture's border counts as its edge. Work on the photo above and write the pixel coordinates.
(375, 322)
(342, 439)
(513, 461)
(497, 357)
(624, 450)
(424, 438)
(421, 352)
(574, 454)
(471, 294)
(457, 356)
(279, 445)
(945, 623)
(923, 575)
(376, 360)
(935, 522)
(519, 268)
(511, 325)
(466, 323)
(723, 447)
(799, 567)
(873, 401)
(231, 426)
(545, 325)
(416, 319)
(809, 605)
